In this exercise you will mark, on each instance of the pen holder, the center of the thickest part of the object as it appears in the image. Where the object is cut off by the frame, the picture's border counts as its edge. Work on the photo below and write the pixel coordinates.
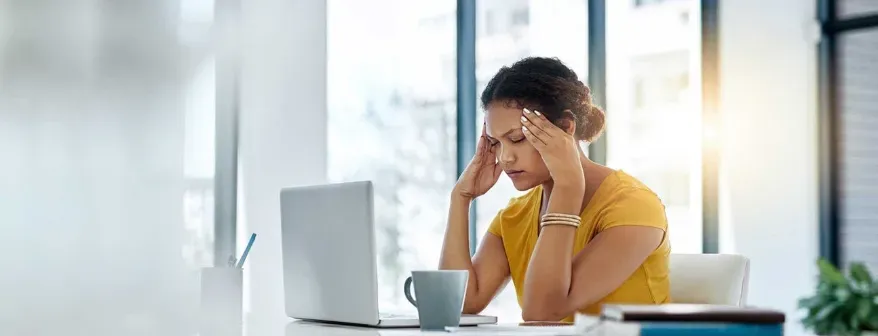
(221, 301)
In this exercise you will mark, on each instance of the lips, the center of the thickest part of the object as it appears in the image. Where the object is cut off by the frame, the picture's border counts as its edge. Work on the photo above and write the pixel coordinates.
(514, 173)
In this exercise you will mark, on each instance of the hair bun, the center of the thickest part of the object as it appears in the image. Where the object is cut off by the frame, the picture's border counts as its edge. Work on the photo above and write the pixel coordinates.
(586, 94)
(595, 120)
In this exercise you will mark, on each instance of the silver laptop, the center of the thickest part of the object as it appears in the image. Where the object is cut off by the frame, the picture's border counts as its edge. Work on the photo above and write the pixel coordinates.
(329, 257)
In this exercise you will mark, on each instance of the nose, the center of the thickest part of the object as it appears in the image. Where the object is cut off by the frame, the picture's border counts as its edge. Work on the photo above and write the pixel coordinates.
(505, 156)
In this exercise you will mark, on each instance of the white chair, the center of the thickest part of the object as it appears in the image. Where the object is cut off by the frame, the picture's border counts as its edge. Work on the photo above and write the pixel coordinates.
(709, 278)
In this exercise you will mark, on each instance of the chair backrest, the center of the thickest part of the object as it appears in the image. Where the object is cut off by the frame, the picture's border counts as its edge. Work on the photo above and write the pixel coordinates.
(709, 278)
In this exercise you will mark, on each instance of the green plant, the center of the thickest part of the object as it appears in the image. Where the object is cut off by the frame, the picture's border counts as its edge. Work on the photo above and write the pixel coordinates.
(843, 304)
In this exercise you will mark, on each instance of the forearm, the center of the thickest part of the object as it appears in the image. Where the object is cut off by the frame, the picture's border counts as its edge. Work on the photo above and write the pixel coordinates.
(548, 279)
(455, 248)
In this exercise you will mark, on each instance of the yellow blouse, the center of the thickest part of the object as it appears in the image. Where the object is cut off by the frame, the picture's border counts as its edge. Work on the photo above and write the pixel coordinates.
(619, 200)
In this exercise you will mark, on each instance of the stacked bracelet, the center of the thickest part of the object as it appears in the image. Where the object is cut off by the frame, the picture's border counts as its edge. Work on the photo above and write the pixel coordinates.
(560, 219)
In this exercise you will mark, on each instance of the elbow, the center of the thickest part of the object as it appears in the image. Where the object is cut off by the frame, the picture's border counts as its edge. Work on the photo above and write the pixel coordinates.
(543, 311)
(472, 305)
(472, 310)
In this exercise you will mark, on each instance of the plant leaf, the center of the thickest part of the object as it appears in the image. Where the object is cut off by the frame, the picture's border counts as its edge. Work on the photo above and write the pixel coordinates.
(828, 310)
(860, 273)
(809, 302)
(854, 322)
(873, 319)
(864, 308)
(829, 273)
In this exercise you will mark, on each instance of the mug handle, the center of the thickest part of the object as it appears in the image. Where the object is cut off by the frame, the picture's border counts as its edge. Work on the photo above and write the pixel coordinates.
(407, 289)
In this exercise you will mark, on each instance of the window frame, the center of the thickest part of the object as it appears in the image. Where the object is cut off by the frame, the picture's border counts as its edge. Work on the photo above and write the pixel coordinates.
(832, 27)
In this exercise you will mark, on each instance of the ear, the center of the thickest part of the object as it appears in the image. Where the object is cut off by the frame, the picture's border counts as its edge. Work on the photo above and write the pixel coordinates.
(568, 122)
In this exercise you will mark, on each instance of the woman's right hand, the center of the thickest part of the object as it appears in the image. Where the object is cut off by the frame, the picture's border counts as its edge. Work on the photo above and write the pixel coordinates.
(481, 173)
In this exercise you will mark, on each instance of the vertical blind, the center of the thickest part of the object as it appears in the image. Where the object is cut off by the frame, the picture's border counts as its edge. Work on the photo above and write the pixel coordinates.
(858, 108)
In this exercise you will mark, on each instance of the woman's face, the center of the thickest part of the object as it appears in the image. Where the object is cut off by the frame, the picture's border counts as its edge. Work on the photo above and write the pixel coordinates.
(518, 158)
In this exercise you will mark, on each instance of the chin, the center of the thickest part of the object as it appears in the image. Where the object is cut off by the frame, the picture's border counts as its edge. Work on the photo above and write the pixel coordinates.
(524, 185)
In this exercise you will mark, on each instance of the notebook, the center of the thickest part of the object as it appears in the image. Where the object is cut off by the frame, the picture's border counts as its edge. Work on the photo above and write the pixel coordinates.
(677, 312)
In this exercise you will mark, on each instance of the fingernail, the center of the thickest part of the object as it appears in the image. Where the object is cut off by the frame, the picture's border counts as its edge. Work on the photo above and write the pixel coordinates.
(524, 128)
(523, 119)
(538, 113)
(526, 111)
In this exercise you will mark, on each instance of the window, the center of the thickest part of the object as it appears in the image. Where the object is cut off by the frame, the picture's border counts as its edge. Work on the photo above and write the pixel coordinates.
(639, 3)
(199, 166)
(653, 113)
(659, 79)
(490, 23)
(520, 17)
(556, 28)
(856, 8)
(392, 120)
(858, 158)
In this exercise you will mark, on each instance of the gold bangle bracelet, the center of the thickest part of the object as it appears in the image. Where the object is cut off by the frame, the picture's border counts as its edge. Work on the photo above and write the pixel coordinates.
(558, 222)
(561, 216)
(571, 220)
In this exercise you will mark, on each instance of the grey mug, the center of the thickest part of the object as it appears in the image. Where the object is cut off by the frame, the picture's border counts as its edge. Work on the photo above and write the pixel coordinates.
(438, 297)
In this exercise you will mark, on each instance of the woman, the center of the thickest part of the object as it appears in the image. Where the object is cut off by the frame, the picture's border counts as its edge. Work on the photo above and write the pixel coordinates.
(584, 234)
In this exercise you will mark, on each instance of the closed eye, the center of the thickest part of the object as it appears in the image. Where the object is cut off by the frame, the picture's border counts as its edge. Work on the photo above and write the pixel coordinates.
(517, 140)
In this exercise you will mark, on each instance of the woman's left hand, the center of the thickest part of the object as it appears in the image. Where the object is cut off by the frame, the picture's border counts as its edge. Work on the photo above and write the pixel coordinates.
(559, 149)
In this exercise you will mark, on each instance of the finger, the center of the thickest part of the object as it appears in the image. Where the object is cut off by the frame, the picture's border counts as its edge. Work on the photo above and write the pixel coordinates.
(481, 145)
(531, 117)
(535, 130)
(540, 120)
(483, 151)
(536, 142)
(491, 150)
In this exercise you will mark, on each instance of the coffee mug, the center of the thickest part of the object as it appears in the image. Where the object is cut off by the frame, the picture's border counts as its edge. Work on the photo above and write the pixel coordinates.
(438, 296)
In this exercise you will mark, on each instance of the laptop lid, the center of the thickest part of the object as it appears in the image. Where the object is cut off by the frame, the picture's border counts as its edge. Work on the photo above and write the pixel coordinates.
(329, 264)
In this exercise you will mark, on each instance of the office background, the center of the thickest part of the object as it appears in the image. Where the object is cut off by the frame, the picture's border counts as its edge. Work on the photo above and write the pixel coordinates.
(142, 140)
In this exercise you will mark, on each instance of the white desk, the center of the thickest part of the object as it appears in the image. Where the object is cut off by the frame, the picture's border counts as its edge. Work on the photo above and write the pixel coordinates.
(301, 328)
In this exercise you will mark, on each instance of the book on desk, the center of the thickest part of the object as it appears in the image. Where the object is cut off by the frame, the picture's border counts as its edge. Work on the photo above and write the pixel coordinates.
(689, 319)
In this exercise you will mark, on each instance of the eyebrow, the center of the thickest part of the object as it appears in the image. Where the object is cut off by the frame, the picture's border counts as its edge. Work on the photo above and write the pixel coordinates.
(504, 134)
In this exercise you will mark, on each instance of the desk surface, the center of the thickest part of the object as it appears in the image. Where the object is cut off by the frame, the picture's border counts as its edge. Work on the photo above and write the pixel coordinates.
(297, 328)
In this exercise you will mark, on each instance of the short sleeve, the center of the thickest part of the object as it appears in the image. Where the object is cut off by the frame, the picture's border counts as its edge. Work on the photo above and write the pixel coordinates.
(496, 227)
(634, 206)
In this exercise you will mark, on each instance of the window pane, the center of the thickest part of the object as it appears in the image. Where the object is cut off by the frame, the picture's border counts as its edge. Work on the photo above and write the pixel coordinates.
(392, 110)
(506, 32)
(858, 78)
(653, 106)
(853, 8)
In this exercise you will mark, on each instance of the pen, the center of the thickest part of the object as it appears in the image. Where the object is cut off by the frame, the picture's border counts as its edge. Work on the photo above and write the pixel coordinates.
(246, 251)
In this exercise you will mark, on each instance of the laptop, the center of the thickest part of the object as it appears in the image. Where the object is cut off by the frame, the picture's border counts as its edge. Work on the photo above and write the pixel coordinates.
(330, 259)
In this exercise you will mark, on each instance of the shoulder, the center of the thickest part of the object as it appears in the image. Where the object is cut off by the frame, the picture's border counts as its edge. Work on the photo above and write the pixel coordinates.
(627, 201)
(621, 186)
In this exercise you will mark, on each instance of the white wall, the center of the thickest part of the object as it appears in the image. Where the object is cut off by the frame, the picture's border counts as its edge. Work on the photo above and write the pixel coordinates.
(283, 134)
(769, 147)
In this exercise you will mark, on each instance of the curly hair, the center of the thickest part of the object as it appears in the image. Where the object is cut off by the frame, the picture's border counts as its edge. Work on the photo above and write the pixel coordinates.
(549, 86)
